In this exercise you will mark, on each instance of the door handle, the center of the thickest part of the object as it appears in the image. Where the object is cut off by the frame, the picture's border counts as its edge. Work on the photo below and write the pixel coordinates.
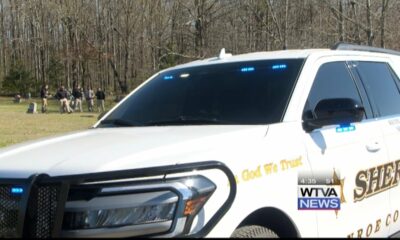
(373, 147)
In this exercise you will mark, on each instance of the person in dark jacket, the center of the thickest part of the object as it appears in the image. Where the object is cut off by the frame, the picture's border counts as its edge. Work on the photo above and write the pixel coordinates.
(101, 97)
(62, 96)
(44, 94)
(77, 93)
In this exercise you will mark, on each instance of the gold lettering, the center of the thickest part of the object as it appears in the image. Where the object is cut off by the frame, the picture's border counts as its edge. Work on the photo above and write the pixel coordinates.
(396, 177)
(361, 186)
(245, 175)
(251, 174)
(374, 180)
(236, 179)
(378, 225)
(359, 233)
(350, 235)
(284, 165)
(387, 175)
(388, 220)
(268, 168)
(299, 162)
(369, 230)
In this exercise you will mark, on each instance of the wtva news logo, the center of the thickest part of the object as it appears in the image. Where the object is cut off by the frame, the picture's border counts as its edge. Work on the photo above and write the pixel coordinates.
(319, 197)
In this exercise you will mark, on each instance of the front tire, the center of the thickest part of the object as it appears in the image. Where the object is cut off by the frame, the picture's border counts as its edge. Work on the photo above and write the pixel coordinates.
(254, 231)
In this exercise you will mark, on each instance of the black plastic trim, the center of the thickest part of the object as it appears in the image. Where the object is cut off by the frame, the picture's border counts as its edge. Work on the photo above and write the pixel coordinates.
(60, 210)
(69, 181)
(24, 205)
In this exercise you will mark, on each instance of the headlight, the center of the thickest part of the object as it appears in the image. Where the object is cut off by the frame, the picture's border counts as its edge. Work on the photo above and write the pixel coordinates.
(130, 209)
(104, 218)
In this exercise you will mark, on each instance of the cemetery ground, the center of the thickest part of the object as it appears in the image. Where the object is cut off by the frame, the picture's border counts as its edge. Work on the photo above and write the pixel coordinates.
(17, 126)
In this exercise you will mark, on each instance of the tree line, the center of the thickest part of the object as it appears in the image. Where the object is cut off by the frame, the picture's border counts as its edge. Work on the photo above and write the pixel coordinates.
(117, 44)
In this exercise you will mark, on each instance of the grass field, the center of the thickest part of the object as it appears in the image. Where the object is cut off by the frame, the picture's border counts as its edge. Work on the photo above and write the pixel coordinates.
(18, 126)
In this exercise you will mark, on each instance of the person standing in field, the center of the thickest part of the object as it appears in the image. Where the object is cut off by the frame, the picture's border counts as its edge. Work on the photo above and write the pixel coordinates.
(101, 97)
(62, 96)
(77, 98)
(44, 94)
(89, 99)
(83, 94)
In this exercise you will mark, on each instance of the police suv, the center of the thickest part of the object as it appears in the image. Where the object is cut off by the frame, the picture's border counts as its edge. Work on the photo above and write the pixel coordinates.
(294, 143)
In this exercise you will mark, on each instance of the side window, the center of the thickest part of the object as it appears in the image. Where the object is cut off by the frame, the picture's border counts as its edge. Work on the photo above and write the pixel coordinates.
(333, 80)
(379, 82)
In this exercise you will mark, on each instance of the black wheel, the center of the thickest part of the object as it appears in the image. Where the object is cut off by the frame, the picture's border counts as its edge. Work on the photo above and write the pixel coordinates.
(254, 231)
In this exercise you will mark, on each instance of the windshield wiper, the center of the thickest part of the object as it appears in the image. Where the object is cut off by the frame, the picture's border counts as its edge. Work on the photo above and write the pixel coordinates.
(118, 122)
(184, 120)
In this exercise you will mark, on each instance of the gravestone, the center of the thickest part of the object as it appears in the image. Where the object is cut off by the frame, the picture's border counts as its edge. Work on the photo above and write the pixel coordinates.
(32, 108)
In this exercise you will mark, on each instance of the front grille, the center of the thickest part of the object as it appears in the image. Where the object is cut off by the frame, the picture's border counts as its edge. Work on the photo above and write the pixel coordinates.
(9, 211)
(42, 211)
(34, 207)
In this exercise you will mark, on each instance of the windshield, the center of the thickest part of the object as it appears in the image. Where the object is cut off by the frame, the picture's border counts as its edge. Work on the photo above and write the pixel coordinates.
(241, 93)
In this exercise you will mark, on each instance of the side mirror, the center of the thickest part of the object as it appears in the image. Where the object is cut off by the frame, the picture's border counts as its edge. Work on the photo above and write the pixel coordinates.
(334, 111)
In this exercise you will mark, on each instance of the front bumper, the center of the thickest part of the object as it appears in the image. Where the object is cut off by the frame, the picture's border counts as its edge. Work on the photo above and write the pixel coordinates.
(34, 207)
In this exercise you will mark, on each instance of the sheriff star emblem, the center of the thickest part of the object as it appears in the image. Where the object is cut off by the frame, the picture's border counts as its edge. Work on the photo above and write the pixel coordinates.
(338, 181)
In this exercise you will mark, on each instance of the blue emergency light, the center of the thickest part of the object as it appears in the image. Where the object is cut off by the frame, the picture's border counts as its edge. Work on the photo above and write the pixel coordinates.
(279, 66)
(17, 190)
(345, 128)
(248, 69)
(168, 77)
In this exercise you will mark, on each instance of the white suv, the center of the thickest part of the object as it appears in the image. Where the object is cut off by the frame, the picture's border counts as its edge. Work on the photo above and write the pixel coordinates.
(296, 143)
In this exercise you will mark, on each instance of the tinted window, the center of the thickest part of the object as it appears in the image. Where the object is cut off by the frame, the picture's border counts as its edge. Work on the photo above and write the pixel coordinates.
(379, 82)
(333, 80)
(235, 93)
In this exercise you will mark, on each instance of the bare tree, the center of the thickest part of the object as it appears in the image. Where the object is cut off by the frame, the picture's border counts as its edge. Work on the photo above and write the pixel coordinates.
(118, 44)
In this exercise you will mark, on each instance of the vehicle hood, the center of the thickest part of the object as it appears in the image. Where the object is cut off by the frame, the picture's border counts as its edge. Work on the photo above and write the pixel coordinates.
(108, 149)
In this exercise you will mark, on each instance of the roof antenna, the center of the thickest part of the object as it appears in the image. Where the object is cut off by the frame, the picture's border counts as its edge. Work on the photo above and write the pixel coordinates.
(223, 54)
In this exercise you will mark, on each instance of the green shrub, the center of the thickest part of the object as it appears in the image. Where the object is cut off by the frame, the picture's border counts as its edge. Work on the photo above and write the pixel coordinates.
(18, 80)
